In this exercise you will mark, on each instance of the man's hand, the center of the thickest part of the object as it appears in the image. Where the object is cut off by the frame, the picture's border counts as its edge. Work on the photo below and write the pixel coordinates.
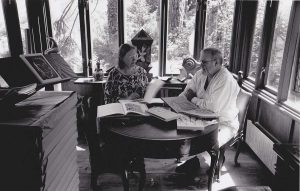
(189, 94)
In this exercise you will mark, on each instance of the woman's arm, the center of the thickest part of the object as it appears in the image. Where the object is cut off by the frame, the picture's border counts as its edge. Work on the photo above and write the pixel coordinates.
(142, 82)
(110, 92)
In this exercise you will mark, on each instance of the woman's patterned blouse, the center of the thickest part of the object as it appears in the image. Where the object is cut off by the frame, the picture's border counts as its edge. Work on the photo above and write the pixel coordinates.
(119, 85)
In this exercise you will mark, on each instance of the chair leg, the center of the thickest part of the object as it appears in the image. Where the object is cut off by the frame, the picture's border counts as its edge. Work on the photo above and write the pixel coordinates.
(125, 180)
(220, 163)
(237, 153)
(93, 180)
(142, 172)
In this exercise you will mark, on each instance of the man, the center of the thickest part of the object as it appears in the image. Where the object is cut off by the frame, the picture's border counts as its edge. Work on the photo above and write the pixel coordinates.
(214, 88)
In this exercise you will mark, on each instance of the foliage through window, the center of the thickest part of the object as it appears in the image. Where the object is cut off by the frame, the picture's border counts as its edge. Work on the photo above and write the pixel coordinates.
(218, 26)
(181, 20)
(278, 43)
(66, 31)
(4, 50)
(22, 12)
(257, 39)
(143, 14)
(104, 32)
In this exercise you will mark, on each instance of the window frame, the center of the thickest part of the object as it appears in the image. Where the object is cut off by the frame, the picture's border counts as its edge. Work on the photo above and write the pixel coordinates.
(292, 43)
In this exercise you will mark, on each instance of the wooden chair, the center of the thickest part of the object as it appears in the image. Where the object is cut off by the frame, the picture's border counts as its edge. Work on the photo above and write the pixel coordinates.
(100, 154)
(243, 100)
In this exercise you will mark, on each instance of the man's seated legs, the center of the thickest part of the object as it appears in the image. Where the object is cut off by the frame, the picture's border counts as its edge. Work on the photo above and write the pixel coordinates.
(193, 165)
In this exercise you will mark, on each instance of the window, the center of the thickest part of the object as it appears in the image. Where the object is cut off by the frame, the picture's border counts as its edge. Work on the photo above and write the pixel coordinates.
(4, 50)
(181, 19)
(278, 43)
(294, 89)
(104, 32)
(218, 26)
(22, 12)
(256, 39)
(66, 31)
(143, 14)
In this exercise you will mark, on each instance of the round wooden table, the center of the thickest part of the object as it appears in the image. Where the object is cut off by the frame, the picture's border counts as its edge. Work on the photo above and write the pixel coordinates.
(148, 137)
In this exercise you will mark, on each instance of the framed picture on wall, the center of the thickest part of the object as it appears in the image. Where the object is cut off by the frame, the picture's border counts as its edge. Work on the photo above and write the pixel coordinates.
(41, 68)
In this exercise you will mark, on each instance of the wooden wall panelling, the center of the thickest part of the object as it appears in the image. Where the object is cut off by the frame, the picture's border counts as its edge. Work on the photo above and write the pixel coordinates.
(252, 110)
(296, 134)
(274, 121)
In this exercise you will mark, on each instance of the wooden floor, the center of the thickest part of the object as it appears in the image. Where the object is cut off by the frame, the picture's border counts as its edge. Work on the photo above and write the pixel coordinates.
(161, 174)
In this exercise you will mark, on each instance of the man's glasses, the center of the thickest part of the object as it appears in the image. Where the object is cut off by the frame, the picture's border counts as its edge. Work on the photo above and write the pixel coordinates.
(205, 62)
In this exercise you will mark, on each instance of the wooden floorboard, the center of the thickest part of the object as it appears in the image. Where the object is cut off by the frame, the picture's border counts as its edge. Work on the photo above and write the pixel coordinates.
(161, 174)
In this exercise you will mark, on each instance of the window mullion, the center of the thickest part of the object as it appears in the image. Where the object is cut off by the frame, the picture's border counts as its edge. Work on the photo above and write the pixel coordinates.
(12, 27)
(199, 28)
(83, 31)
(163, 37)
(266, 44)
(121, 21)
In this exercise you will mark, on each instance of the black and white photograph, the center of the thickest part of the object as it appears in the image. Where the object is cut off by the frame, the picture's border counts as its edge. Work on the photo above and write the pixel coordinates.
(150, 95)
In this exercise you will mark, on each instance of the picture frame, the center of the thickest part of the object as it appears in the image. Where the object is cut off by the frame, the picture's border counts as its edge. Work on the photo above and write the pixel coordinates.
(41, 68)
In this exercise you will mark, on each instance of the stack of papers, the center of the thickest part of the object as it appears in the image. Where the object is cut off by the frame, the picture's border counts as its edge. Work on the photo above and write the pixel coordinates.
(163, 113)
(185, 122)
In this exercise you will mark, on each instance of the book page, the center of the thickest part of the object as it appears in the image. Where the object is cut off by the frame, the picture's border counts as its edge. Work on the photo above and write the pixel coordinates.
(152, 89)
(110, 109)
(27, 89)
(185, 122)
(3, 83)
(134, 107)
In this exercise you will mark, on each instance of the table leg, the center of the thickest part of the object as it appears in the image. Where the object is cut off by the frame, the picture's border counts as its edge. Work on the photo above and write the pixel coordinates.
(214, 154)
(125, 180)
(142, 172)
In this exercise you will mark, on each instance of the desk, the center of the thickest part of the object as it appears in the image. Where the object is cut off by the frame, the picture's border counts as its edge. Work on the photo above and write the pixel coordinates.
(90, 88)
(38, 139)
(148, 137)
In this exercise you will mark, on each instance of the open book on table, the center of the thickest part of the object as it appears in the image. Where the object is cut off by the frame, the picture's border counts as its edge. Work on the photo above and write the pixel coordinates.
(181, 105)
(123, 108)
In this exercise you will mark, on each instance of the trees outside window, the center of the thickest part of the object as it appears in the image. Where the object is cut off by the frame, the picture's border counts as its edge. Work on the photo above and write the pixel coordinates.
(66, 31)
(22, 12)
(218, 26)
(104, 32)
(181, 20)
(4, 50)
(257, 39)
(278, 44)
(143, 14)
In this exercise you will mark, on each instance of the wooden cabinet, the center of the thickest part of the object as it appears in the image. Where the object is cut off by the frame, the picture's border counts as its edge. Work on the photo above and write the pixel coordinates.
(287, 167)
(39, 141)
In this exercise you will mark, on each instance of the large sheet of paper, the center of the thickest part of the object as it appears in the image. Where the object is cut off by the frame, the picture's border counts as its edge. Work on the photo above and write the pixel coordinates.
(181, 105)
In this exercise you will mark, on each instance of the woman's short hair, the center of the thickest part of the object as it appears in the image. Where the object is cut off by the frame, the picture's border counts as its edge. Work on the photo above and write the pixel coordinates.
(214, 53)
(124, 48)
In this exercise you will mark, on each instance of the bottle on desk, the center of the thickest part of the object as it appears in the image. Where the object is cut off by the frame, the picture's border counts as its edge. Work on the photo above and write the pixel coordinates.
(98, 73)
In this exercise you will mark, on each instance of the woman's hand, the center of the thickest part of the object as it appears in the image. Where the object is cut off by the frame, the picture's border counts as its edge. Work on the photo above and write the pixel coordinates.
(133, 96)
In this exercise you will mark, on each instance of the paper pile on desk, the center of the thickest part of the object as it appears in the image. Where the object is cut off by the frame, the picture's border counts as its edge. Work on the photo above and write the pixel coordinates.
(185, 122)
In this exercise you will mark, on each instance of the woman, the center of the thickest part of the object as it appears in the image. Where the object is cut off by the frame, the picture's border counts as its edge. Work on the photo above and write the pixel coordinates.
(126, 80)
